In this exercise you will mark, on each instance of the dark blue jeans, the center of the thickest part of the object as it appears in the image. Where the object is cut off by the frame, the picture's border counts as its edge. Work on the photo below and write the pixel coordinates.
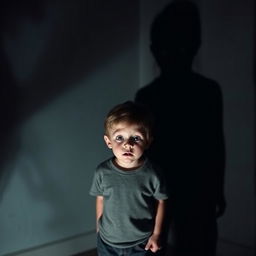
(104, 249)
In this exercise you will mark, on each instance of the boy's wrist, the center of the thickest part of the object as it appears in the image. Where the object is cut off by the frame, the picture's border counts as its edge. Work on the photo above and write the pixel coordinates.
(156, 236)
(156, 233)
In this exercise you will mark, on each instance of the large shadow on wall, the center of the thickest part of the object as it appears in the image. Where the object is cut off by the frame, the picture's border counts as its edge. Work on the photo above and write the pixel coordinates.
(188, 137)
(80, 37)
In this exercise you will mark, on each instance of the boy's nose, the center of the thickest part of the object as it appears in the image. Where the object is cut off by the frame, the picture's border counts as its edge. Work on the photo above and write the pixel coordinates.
(129, 143)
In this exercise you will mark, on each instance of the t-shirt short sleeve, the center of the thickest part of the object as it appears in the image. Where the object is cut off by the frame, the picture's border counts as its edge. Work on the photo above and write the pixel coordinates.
(160, 193)
(160, 188)
(97, 188)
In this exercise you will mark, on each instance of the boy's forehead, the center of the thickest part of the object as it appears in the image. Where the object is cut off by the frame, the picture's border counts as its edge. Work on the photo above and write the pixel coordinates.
(125, 126)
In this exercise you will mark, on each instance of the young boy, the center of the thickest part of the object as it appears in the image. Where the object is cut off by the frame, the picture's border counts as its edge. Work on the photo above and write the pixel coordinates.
(130, 197)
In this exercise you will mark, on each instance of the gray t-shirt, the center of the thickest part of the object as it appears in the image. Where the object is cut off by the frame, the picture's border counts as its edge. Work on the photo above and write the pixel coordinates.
(129, 202)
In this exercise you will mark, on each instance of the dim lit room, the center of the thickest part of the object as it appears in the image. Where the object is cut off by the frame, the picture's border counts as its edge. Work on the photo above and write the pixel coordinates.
(65, 64)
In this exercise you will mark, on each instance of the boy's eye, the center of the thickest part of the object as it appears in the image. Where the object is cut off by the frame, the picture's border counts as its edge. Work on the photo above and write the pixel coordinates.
(119, 138)
(137, 138)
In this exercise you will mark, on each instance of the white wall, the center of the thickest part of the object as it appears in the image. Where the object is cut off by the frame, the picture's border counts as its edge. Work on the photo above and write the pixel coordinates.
(226, 56)
(71, 64)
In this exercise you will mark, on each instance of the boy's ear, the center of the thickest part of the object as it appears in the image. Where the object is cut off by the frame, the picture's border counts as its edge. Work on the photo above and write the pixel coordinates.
(107, 141)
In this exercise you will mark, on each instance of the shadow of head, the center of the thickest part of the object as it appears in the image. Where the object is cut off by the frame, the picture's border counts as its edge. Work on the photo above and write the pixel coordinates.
(176, 35)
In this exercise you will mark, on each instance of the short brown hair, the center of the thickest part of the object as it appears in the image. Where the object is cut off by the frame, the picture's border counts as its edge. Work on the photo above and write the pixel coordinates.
(132, 113)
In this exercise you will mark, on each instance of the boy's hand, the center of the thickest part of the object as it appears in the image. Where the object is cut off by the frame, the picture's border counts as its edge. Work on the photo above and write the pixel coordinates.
(153, 243)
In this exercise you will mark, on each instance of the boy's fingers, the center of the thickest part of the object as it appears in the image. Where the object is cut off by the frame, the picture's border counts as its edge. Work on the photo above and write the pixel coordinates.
(154, 248)
(148, 245)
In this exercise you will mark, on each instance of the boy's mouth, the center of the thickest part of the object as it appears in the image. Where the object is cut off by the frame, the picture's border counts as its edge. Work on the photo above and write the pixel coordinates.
(127, 154)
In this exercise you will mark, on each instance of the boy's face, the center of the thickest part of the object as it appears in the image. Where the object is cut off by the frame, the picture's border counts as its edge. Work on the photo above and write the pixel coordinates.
(127, 143)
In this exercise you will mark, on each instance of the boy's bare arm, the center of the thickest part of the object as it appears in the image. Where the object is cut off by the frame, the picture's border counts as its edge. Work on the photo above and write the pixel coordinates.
(99, 210)
(154, 241)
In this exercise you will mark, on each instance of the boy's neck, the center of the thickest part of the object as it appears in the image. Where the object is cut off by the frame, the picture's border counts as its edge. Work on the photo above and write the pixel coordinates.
(123, 168)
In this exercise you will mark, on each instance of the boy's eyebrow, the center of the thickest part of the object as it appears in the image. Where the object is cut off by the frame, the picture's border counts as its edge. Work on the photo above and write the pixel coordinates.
(118, 130)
